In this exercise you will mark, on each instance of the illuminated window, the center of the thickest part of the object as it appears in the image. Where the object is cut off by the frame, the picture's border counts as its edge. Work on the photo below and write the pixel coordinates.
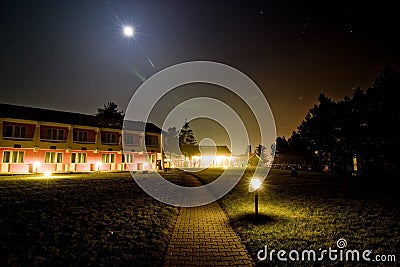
(13, 156)
(53, 157)
(78, 157)
(108, 158)
(6, 156)
(127, 158)
(15, 131)
(152, 158)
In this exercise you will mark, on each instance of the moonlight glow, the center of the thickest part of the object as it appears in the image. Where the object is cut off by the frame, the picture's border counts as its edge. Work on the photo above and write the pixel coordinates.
(129, 31)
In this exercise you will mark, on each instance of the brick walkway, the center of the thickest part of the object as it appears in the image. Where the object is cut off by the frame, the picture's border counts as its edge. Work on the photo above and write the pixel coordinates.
(203, 237)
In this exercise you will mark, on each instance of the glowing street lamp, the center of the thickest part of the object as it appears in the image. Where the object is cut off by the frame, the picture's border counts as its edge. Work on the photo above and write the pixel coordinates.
(255, 184)
(36, 166)
(98, 164)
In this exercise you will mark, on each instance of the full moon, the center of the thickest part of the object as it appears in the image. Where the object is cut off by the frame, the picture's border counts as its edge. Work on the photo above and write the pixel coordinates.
(128, 31)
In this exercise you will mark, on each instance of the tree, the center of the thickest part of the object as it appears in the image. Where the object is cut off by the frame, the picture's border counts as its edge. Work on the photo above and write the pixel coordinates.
(282, 145)
(317, 132)
(110, 113)
(187, 141)
(362, 125)
(261, 152)
(171, 140)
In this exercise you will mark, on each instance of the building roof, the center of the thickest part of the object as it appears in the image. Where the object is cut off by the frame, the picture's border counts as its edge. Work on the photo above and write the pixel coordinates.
(220, 150)
(208, 150)
(57, 116)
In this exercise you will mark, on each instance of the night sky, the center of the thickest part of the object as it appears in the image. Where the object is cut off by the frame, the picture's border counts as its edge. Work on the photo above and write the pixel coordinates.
(71, 55)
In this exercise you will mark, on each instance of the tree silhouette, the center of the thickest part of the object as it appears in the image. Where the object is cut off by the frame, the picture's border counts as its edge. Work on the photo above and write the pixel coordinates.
(187, 141)
(110, 113)
(361, 126)
(171, 140)
(260, 151)
(282, 145)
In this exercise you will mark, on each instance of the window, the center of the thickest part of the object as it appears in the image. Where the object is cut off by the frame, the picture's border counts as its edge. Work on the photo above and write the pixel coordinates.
(153, 158)
(55, 134)
(108, 158)
(53, 157)
(59, 158)
(151, 140)
(127, 158)
(80, 136)
(6, 156)
(78, 157)
(133, 139)
(109, 138)
(15, 131)
(13, 156)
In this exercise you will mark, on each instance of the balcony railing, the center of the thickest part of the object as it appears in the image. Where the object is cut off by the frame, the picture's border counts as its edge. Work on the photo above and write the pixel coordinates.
(152, 145)
(84, 142)
(18, 138)
(53, 140)
(110, 143)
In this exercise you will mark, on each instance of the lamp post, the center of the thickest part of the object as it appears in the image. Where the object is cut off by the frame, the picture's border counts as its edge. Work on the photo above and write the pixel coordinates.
(256, 202)
(256, 183)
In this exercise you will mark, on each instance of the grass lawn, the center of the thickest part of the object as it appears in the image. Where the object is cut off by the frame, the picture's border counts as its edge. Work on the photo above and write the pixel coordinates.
(98, 219)
(313, 211)
(105, 219)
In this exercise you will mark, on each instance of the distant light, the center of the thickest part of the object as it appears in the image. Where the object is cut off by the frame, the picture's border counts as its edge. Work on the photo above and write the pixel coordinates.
(47, 173)
(255, 183)
(98, 164)
(36, 166)
(146, 165)
(129, 31)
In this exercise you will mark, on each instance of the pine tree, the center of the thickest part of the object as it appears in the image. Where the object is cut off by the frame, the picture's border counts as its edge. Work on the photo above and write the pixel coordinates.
(110, 113)
(187, 141)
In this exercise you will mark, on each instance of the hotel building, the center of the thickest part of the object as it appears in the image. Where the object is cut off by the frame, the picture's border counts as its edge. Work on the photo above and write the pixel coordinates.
(41, 140)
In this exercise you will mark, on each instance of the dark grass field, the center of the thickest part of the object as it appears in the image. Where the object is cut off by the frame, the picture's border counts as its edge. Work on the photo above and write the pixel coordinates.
(313, 211)
(81, 220)
(105, 219)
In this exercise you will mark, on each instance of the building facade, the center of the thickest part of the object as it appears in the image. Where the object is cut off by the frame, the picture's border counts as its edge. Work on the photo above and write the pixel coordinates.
(40, 140)
(205, 157)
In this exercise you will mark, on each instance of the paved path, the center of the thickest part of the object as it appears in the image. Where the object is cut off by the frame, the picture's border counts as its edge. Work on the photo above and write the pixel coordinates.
(203, 237)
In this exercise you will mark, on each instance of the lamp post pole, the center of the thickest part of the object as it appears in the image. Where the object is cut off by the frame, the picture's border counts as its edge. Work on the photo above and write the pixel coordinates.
(255, 184)
(256, 202)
